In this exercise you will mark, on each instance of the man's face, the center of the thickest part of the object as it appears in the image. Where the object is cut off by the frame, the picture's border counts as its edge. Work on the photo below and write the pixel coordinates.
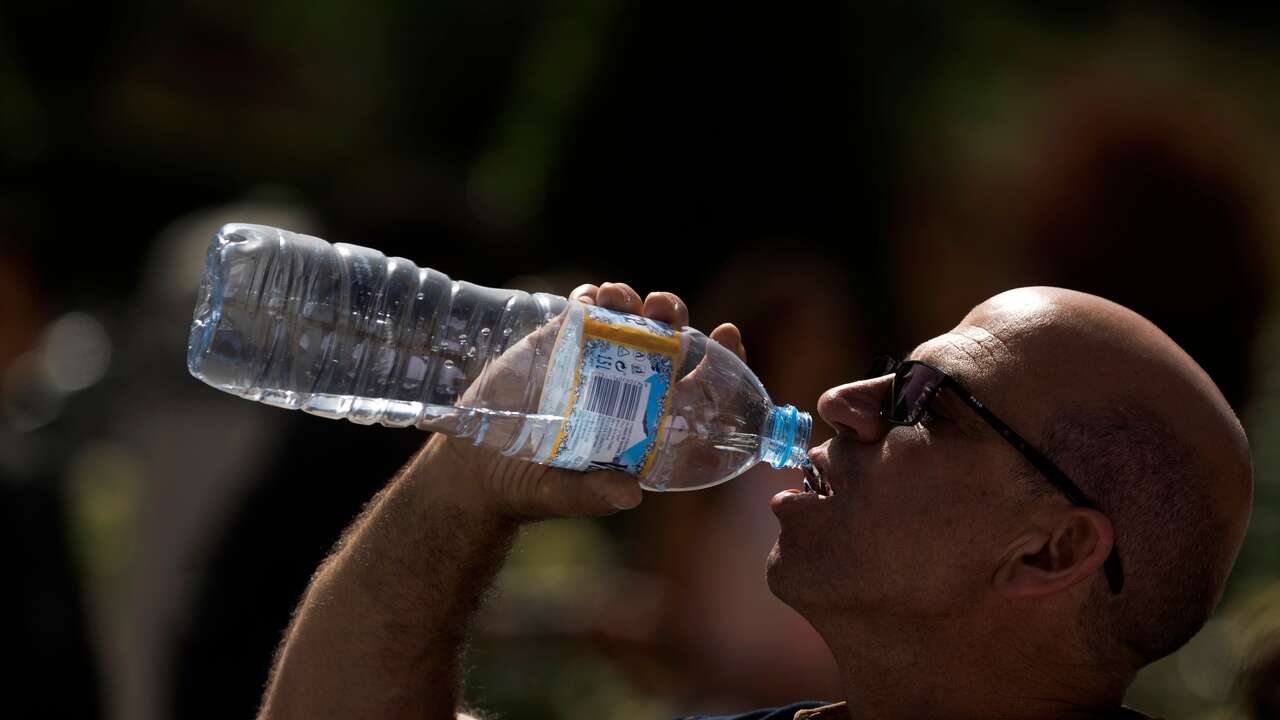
(919, 516)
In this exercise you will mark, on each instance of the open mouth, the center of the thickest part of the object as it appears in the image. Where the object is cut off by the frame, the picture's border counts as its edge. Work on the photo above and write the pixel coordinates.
(814, 482)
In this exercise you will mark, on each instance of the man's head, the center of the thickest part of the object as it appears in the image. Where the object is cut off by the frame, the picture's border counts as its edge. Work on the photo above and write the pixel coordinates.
(945, 526)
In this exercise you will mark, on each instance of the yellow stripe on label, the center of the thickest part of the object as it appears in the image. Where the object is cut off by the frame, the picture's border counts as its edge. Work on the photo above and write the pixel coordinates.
(632, 337)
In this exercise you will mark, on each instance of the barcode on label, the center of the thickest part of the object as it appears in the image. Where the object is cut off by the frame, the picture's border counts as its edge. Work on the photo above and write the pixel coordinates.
(614, 397)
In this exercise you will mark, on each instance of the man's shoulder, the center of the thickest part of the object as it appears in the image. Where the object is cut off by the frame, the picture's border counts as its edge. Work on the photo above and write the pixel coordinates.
(807, 709)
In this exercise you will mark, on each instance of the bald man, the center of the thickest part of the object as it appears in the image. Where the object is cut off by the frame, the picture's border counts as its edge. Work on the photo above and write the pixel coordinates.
(1010, 523)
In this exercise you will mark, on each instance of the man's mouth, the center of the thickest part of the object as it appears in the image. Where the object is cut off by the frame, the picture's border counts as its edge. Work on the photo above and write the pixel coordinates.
(813, 480)
(815, 487)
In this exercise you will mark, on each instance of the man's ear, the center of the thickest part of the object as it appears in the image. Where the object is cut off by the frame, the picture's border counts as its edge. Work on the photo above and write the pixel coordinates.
(1052, 557)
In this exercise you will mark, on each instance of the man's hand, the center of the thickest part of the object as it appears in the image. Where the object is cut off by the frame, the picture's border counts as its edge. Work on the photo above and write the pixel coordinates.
(380, 629)
(492, 482)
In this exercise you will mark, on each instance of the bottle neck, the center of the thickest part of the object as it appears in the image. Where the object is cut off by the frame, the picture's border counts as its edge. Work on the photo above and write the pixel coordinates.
(784, 439)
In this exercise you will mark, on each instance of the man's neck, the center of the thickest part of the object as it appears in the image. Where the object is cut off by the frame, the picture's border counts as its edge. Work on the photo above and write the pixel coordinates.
(939, 672)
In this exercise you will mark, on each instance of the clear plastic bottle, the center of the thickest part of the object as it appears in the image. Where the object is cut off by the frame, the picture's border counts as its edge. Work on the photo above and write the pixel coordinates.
(345, 332)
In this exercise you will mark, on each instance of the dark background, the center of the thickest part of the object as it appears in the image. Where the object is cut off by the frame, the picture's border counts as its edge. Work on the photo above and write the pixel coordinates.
(838, 181)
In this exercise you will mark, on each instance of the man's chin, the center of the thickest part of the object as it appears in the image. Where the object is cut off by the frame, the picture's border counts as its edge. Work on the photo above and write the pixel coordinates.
(795, 578)
(779, 574)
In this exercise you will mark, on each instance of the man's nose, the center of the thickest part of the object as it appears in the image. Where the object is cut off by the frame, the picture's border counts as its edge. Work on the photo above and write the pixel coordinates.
(855, 408)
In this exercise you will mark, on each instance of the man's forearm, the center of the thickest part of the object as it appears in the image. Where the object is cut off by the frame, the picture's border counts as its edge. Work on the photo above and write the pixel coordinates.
(380, 629)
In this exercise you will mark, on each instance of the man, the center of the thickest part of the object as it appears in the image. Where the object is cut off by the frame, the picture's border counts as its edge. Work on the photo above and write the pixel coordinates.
(1048, 498)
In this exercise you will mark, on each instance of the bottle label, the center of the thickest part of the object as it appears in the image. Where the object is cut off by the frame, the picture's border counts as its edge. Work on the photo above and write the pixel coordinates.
(613, 381)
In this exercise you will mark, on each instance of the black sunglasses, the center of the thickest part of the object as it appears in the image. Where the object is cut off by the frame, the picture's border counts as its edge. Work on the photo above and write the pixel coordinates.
(916, 383)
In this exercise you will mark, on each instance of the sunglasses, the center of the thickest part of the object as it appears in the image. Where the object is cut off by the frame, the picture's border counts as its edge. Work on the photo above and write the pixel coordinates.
(916, 384)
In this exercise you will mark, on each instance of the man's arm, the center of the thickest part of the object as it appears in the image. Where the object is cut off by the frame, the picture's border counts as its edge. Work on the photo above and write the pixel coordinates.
(381, 627)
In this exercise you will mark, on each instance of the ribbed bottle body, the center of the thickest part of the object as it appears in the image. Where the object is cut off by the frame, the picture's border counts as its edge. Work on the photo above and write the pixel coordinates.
(344, 331)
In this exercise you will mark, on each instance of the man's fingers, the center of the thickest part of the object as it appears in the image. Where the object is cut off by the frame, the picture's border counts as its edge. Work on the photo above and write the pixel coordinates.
(668, 308)
(585, 293)
(661, 306)
(729, 336)
(620, 297)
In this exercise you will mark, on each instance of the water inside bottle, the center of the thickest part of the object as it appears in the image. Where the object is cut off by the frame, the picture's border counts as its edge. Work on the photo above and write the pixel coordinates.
(405, 413)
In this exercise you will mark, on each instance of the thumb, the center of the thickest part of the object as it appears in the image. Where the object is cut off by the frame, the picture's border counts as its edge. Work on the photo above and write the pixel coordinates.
(567, 493)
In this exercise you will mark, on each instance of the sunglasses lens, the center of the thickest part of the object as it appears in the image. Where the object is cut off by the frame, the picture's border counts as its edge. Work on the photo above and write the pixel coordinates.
(913, 387)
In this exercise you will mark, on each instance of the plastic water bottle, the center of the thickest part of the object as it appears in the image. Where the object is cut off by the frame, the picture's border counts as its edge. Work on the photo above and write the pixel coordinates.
(345, 332)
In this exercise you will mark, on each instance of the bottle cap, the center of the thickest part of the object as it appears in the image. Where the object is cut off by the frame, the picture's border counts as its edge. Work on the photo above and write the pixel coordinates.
(787, 443)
